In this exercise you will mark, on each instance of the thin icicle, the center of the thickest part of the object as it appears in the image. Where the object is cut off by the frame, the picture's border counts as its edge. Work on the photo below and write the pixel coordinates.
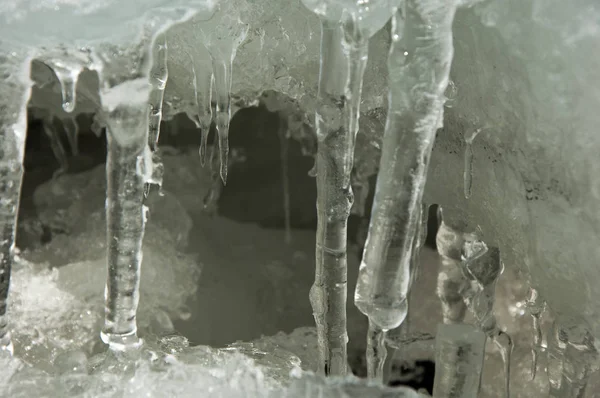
(284, 149)
(222, 74)
(128, 168)
(13, 127)
(203, 87)
(419, 66)
(376, 352)
(535, 305)
(159, 75)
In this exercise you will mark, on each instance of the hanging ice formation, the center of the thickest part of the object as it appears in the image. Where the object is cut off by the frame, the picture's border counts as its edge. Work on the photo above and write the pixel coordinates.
(345, 31)
(419, 66)
(203, 86)
(222, 35)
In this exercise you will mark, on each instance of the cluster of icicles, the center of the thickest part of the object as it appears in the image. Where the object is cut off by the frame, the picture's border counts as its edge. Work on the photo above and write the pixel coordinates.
(419, 64)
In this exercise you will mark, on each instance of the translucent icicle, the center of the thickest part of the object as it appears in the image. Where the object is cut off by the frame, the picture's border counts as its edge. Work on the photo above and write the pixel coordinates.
(128, 168)
(212, 196)
(459, 355)
(419, 66)
(158, 80)
(222, 68)
(67, 74)
(15, 86)
(337, 126)
(284, 149)
(203, 86)
(535, 306)
(376, 352)
(468, 173)
(72, 131)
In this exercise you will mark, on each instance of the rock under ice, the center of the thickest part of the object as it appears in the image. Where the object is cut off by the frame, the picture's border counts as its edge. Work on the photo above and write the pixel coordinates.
(487, 108)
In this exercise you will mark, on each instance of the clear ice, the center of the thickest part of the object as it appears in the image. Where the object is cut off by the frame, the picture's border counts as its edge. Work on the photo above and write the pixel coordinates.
(526, 71)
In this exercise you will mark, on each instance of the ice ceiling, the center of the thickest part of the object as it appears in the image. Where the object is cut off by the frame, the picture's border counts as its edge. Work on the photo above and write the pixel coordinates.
(487, 108)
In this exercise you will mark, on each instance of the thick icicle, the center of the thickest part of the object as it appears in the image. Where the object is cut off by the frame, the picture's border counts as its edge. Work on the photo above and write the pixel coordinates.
(459, 355)
(203, 85)
(15, 87)
(419, 66)
(158, 80)
(128, 167)
(535, 306)
(284, 149)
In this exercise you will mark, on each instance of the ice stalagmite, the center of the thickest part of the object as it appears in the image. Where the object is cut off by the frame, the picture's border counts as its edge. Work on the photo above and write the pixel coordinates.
(158, 80)
(419, 64)
(223, 34)
(15, 87)
(128, 168)
(376, 352)
(345, 31)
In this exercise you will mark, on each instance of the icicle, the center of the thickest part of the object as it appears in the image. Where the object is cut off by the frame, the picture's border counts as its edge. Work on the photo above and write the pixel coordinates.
(376, 352)
(203, 86)
(468, 174)
(222, 73)
(72, 131)
(459, 355)
(127, 169)
(212, 196)
(535, 306)
(158, 80)
(15, 86)
(284, 146)
(67, 74)
(419, 66)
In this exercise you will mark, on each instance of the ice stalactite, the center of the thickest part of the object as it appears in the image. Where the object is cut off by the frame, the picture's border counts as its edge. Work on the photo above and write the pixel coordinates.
(158, 80)
(283, 134)
(72, 131)
(459, 356)
(128, 168)
(223, 34)
(419, 65)
(535, 306)
(15, 86)
(203, 86)
(67, 74)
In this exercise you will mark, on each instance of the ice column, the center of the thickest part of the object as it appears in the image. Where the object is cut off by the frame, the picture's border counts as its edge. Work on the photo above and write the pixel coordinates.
(15, 87)
(128, 167)
(419, 64)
